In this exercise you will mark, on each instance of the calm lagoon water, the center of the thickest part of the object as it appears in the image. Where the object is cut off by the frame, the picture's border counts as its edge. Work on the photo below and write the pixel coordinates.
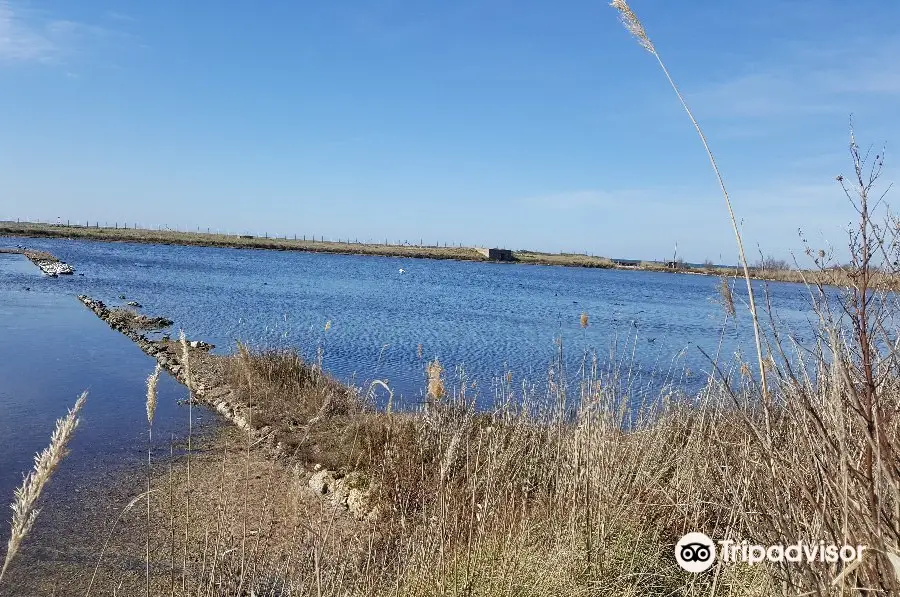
(486, 317)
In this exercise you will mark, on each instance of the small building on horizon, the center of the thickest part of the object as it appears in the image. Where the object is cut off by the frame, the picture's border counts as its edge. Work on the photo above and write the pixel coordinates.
(496, 254)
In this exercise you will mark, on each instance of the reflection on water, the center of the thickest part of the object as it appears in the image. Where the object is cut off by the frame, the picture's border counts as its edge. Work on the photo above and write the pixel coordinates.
(52, 349)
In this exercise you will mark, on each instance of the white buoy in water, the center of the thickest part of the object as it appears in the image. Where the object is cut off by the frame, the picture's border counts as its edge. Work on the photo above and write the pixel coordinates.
(402, 271)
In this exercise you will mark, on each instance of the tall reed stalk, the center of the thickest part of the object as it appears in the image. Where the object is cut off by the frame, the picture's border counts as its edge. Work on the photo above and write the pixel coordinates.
(152, 382)
(188, 381)
(634, 26)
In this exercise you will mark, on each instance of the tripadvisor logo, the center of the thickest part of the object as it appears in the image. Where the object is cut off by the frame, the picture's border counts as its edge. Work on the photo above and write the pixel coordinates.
(696, 552)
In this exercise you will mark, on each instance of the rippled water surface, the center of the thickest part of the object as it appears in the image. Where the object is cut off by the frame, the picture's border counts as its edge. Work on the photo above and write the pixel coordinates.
(483, 316)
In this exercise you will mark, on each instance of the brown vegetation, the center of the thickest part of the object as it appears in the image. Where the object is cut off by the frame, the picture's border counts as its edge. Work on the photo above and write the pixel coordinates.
(564, 259)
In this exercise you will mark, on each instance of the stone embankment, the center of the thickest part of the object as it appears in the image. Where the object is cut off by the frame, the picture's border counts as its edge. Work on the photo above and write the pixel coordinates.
(48, 264)
(203, 375)
(204, 386)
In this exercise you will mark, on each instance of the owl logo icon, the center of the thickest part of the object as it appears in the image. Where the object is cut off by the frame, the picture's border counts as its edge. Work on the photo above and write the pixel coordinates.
(695, 552)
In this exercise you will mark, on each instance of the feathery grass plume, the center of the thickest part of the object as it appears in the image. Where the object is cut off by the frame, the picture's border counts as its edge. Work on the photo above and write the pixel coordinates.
(371, 394)
(186, 361)
(152, 381)
(185, 356)
(450, 453)
(634, 26)
(584, 320)
(435, 381)
(45, 463)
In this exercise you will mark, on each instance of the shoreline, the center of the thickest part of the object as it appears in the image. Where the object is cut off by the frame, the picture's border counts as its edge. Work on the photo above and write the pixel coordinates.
(520, 257)
(208, 388)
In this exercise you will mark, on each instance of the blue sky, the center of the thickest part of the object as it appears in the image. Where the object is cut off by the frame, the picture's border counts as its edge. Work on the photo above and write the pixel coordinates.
(493, 122)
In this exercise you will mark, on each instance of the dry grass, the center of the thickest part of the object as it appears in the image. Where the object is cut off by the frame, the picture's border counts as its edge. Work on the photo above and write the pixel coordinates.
(170, 237)
(585, 493)
(565, 259)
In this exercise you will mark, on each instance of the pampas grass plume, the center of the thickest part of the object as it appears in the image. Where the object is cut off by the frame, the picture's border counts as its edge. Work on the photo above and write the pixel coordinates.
(152, 381)
(45, 463)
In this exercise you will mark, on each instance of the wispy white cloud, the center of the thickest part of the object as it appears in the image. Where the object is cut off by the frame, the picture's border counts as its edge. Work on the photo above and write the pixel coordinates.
(770, 213)
(27, 36)
(808, 80)
(21, 40)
